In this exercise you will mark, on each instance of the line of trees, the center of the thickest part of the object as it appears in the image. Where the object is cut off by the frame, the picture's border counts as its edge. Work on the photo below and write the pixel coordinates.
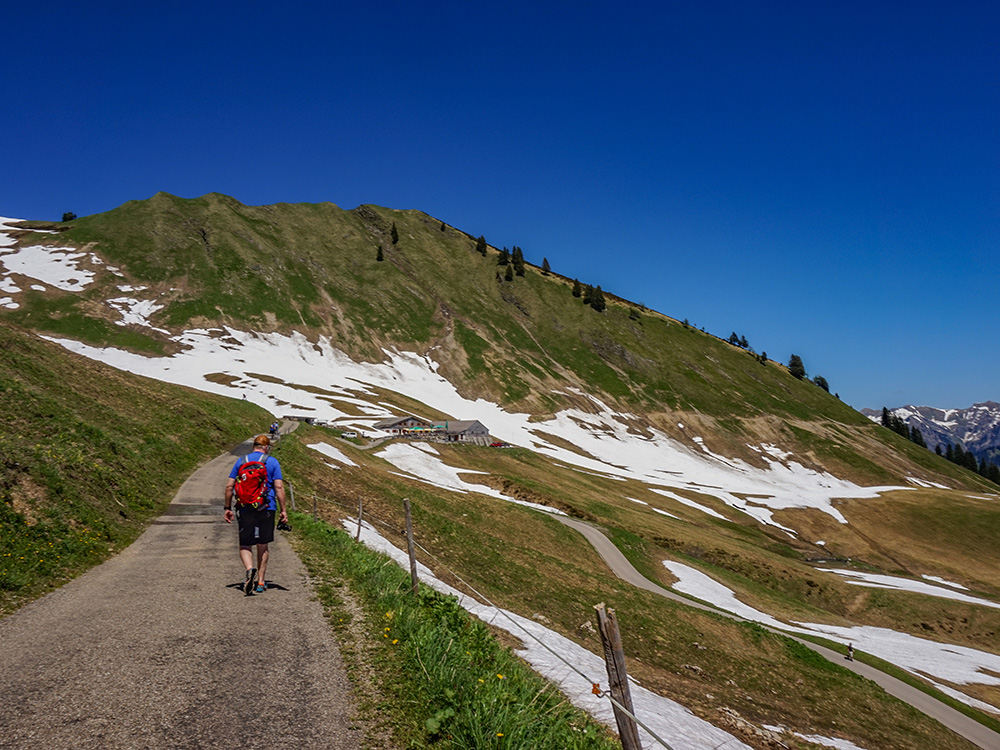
(592, 296)
(954, 453)
(898, 425)
(958, 455)
(798, 370)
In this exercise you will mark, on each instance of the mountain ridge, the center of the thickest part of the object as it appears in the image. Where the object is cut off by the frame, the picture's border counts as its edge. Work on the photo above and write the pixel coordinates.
(686, 448)
(976, 428)
(527, 343)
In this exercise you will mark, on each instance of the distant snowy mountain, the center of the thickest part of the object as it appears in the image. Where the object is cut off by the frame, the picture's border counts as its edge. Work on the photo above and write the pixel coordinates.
(977, 428)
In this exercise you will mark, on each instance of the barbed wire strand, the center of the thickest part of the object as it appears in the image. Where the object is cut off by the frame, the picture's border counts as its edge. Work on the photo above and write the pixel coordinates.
(596, 689)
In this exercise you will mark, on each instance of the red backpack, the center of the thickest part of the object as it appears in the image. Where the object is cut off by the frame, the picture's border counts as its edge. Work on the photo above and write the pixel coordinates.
(250, 489)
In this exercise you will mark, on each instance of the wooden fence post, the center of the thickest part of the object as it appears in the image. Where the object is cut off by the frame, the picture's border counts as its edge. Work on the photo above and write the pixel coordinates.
(409, 545)
(614, 658)
(357, 537)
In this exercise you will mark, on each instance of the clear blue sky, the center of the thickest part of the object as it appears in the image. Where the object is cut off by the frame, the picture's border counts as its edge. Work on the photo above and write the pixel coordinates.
(823, 178)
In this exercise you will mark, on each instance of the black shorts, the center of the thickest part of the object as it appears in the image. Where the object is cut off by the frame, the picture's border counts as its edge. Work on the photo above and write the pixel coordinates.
(256, 526)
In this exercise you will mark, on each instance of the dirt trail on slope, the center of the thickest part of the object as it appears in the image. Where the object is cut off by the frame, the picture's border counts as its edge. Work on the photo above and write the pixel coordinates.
(159, 648)
(955, 720)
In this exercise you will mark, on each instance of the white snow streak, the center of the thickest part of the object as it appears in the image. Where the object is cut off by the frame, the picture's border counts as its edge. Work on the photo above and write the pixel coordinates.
(955, 664)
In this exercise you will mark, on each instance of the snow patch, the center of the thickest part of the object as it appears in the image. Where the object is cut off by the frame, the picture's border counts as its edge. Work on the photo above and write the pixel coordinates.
(420, 461)
(330, 452)
(958, 665)
(873, 580)
(56, 266)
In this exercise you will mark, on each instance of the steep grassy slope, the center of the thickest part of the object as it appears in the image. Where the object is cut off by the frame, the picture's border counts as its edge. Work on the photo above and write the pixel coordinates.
(526, 343)
(88, 455)
(516, 342)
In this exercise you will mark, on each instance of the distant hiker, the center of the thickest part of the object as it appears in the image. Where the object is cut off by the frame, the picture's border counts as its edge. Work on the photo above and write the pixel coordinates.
(274, 428)
(850, 652)
(257, 506)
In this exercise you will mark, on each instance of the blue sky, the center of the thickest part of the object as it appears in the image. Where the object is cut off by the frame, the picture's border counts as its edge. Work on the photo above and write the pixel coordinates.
(823, 178)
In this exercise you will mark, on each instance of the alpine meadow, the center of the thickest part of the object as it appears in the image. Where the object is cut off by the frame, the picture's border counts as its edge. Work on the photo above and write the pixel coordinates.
(167, 330)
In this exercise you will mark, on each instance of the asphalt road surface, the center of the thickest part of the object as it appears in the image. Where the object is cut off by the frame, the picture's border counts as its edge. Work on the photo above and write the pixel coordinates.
(159, 648)
(954, 720)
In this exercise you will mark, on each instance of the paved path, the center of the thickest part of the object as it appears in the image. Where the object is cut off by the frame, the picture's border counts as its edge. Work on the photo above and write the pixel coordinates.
(159, 648)
(955, 721)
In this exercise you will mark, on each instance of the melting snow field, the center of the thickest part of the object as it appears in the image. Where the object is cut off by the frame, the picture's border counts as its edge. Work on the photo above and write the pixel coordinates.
(309, 369)
(58, 267)
(954, 664)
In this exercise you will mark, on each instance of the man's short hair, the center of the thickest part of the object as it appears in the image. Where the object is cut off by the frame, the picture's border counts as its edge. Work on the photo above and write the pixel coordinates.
(261, 440)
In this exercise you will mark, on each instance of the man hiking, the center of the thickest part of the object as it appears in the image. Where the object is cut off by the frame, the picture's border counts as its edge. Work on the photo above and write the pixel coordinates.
(257, 506)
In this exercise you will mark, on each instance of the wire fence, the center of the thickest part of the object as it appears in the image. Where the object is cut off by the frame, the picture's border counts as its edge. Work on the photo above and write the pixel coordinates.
(595, 684)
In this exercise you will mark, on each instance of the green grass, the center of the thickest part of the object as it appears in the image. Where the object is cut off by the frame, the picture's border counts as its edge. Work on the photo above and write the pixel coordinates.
(63, 315)
(89, 454)
(455, 685)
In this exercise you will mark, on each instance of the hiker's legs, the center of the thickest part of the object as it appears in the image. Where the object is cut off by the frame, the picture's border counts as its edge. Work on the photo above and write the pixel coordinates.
(246, 555)
(262, 555)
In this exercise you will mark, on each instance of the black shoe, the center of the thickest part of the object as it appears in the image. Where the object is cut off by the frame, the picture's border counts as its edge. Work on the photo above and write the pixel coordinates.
(250, 582)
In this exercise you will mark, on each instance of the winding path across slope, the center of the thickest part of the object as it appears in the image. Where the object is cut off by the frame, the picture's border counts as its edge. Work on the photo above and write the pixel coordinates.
(159, 648)
(955, 721)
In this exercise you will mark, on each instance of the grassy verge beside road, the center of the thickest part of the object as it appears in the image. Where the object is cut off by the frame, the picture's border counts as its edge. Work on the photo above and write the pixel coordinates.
(451, 684)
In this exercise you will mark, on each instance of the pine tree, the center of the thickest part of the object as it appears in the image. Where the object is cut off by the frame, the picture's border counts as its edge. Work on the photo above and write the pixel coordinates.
(68, 216)
(509, 274)
(504, 258)
(744, 344)
(885, 417)
(597, 300)
(517, 258)
(796, 368)
(577, 289)
(546, 268)
(588, 294)
(442, 226)
(992, 473)
(395, 234)
(821, 382)
(481, 246)
(379, 257)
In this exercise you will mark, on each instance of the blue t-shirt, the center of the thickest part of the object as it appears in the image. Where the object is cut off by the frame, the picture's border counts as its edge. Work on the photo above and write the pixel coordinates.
(273, 472)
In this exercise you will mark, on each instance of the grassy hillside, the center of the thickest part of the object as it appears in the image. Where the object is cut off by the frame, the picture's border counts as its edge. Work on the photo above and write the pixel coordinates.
(526, 343)
(530, 563)
(88, 455)
(529, 344)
